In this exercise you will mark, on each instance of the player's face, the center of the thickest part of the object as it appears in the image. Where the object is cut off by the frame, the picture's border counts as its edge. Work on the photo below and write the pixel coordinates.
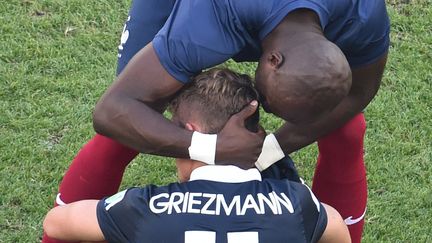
(279, 95)
(262, 79)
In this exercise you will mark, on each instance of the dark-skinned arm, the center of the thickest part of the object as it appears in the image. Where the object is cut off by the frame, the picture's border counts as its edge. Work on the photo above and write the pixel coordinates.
(131, 110)
(365, 84)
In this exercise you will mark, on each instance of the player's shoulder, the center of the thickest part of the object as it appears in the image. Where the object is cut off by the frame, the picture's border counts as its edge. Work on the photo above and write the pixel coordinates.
(140, 193)
(299, 192)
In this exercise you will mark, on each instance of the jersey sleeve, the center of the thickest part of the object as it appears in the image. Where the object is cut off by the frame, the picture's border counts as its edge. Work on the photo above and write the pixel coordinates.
(313, 212)
(197, 35)
(365, 38)
(117, 214)
(184, 59)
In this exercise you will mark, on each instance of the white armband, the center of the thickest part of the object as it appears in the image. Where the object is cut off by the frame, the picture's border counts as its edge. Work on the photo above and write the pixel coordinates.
(203, 147)
(271, 153)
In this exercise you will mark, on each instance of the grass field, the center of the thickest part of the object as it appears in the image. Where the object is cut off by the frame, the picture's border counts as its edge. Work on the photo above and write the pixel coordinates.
(57, 57)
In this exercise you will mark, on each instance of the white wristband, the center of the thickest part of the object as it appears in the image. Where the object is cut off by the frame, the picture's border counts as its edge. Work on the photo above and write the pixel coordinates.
(271, 153)
(203, 147)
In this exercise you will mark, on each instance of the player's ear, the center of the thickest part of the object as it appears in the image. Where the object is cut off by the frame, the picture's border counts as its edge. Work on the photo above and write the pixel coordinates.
(275, 59)
(189, 127)
(193, 127)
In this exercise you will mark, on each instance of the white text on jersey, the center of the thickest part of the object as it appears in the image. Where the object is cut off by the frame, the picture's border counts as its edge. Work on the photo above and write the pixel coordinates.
(215, 204)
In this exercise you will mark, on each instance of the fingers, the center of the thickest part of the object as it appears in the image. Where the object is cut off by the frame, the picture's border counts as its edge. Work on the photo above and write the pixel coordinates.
(261, 132)
(246, 112)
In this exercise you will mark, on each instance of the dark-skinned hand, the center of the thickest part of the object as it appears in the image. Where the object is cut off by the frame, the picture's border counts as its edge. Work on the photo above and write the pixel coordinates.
(237, 145)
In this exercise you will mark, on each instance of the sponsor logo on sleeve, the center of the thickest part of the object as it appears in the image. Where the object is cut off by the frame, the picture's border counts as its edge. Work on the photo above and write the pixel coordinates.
(113, 200)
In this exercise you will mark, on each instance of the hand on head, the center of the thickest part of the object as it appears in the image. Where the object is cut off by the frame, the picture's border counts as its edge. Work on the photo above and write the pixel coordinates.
(221, 102)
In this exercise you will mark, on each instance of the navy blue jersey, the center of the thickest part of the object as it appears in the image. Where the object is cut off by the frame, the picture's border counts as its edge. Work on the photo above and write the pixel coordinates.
(201, 34)
(282, 169)
(219, 204)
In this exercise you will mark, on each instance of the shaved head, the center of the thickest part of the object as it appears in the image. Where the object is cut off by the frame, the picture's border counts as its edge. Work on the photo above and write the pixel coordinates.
(303, 81)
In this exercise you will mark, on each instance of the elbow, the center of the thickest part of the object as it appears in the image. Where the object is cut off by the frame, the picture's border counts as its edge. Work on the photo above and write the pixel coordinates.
(49, 226)
(101, 116)
(336, 229)
(99, 119)
(359, 102)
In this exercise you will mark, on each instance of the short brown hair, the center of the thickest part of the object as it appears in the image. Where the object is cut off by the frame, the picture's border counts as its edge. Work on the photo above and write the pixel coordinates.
(214, 96)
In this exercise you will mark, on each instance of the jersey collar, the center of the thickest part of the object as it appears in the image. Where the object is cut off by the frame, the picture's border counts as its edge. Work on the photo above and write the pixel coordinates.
(225, 173)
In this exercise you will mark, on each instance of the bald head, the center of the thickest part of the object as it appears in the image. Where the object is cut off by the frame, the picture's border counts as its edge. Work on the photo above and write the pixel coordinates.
(303, 80)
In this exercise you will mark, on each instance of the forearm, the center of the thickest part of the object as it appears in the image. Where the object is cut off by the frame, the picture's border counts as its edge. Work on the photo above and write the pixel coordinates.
(292, 137)
(366, 81)
(130, 110)
(140, 126)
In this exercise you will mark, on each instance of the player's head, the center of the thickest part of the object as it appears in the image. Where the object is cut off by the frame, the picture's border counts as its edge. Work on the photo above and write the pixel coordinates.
(206, 104)
(303, 80)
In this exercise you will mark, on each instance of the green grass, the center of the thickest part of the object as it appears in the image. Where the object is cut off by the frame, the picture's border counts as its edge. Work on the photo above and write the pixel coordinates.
(57, 58)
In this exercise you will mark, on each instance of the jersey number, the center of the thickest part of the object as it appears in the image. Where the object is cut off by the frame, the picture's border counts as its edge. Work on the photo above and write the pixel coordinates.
(210, 237)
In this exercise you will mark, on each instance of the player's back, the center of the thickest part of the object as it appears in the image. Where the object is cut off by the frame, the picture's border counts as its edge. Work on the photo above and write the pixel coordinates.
(232, 206)
(351, 24)
(201, 34)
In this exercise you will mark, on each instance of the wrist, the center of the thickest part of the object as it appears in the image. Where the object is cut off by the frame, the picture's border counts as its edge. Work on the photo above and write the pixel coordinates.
(203, 147)
(270, 154)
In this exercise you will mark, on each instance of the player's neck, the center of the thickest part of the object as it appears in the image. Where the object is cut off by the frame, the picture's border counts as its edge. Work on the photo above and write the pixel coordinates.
(293, 29)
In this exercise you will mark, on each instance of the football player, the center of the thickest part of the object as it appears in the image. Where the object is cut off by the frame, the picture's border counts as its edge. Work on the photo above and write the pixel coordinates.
(320, 64)
(212, 203)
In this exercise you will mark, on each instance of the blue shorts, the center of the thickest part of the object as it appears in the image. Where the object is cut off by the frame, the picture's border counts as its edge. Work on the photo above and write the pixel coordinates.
(146, 18)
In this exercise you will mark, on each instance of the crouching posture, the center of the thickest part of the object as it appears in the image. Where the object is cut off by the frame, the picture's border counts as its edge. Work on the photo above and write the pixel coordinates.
(211, 203)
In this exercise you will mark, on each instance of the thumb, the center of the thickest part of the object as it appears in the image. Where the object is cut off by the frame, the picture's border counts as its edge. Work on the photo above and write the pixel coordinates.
(261, 132)
(246, 112)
